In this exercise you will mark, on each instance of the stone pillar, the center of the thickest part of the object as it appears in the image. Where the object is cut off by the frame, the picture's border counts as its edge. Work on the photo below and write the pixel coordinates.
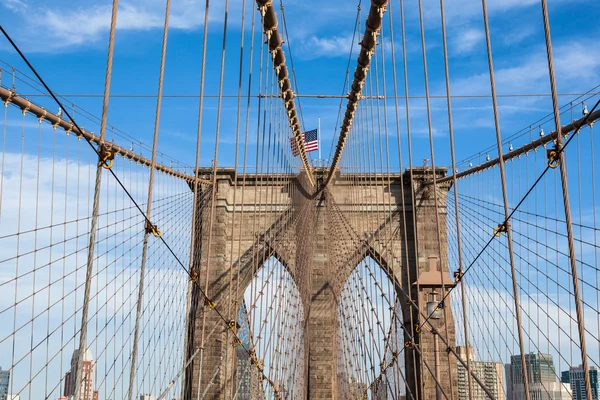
(426, 268)
(322, 321)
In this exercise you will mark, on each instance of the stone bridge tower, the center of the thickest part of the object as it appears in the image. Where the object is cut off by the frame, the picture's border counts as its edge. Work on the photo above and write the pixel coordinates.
(296, 224)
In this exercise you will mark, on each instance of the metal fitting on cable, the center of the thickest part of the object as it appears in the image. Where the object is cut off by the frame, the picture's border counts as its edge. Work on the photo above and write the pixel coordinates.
(458, 275)
(501, 228)
(210, 303)
(9, 98)
(553, 157)
(153, 229)
(106, 156)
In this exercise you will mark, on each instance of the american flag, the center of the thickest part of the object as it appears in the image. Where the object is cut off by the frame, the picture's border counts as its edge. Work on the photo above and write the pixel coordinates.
(311, 142)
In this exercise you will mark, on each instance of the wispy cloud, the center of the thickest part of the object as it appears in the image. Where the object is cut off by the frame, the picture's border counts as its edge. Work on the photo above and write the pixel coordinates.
(467, 40)
(518, 35)
(66, 27)
(334, 46)
(530, 75)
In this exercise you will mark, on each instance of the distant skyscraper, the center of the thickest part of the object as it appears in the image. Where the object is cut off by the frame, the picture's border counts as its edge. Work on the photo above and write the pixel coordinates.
(87, 391)
(488, 372)
(541, 374)
(574, 377)
(147, 397)
(4, 382)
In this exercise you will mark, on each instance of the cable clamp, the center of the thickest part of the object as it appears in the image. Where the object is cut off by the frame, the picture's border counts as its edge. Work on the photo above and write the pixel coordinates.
(153, 229)
(43, 116)
(231, 324)
(501, 228)
(106, 157)
(417, 328)
(194, 276)
(458, 275)
(408, 344)
(440, 306)
(553, 156)
(9, 98)
(211, 303)
(237, 342)
(24, 110)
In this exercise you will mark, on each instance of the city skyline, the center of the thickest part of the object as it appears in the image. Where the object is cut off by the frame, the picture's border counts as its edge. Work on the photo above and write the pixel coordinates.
(574, 377)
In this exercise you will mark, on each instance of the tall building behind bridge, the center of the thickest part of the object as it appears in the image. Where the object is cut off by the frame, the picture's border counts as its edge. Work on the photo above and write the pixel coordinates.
(87, 391)
(4, 383)
(543, 383)
(574, 379)
(489, 372)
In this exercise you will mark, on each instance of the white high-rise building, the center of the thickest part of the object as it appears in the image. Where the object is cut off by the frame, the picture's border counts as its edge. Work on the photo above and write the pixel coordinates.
(490, 373)
(87, 391)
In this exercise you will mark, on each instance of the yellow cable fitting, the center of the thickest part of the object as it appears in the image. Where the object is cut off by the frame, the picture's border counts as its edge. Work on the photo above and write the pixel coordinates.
(417, 328)
(194, 276)
(153, 229)
(498, 231)
(106, 157)
(231, 325)
(408, 344)
(211, 304)
(457, 276)
(553, 158)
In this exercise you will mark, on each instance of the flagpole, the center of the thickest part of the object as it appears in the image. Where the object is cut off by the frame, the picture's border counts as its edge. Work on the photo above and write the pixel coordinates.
(319, 140)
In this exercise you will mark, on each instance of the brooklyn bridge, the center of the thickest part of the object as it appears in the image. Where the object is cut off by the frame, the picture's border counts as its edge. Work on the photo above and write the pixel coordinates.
(175, 223)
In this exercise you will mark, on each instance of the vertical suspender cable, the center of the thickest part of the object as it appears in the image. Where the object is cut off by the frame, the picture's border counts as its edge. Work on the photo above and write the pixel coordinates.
(418, 385)
(505, 200)
(138, 310)
(214, 184)
(235, 177)
(96, 204)
(457, 217)
(566, 204)
(437, 212)
(195, 210)
(200, 115)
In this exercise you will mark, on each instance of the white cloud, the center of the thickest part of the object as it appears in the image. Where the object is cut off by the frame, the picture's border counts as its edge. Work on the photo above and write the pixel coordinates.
(66, 26)
(334, 46)
(517, 35)
(15, 5)
(467, 40)
(531, 74)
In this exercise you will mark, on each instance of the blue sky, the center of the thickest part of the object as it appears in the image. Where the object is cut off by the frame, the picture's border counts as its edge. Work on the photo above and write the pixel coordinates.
(68, 46)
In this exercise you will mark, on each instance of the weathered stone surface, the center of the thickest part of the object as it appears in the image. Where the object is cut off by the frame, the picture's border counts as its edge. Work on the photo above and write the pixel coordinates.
(258, 217)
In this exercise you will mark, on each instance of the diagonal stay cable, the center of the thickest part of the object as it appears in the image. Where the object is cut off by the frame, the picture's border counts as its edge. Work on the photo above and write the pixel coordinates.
(120, 183)
(503, 225)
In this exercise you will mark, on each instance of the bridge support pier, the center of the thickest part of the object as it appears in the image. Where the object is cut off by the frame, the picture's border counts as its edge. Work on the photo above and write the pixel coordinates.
(303, 225)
